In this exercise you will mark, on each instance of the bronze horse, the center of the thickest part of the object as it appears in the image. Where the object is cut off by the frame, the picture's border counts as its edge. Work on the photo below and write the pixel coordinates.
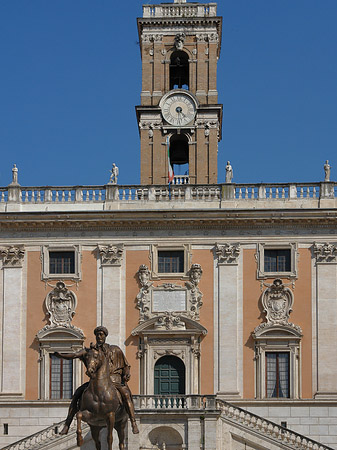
(101, 404)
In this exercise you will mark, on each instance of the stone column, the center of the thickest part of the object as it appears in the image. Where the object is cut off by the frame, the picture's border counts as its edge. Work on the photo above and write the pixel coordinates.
(326, 290)
(12, 332)
(112, 298)
(229, 317)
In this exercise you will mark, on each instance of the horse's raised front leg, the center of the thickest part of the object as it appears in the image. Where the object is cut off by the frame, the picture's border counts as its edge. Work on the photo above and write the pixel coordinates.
(95, 435)
(110, 421)
(120, 428)
(79, 429)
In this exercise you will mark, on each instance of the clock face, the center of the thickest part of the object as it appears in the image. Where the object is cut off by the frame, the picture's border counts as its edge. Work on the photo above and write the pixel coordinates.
(178, 109)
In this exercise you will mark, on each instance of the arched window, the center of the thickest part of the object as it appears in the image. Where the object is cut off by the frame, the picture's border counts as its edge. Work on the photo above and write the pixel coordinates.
(179, 70)
(179, 155)
(169, 376)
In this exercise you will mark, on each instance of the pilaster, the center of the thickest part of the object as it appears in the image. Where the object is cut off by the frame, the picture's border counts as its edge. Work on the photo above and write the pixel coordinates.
(229, 303)
(326, 282)
(12, 365)
(112, 298)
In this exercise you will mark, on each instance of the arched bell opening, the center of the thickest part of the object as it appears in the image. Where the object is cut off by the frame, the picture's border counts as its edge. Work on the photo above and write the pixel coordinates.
(179, 157)
(179, 70)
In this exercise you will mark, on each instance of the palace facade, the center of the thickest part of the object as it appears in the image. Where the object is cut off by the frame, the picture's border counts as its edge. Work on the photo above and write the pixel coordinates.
(222, 296)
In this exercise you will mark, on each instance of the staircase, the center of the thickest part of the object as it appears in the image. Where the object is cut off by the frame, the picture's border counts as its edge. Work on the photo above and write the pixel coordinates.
(49, 438)
(248, 427)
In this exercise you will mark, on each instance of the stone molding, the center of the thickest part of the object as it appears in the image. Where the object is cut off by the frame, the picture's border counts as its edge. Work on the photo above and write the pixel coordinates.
(12, 256)
(169, 319)
(325, 253)
(228, 254)
(277, 301)
(111, 255)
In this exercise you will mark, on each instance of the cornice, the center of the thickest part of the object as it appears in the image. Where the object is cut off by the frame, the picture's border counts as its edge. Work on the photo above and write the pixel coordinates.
(201, 219)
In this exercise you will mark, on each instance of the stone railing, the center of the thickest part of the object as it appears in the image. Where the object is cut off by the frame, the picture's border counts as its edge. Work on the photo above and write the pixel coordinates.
(270, 429)
(181, 191)
(43, 437)
(180, 10)
(170, 402)
(181, 179)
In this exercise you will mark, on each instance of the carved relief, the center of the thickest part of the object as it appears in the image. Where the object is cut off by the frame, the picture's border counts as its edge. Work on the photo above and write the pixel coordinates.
(169, 321)
(201, 37)
(60, 304)
(213, 37)
(179, 41)
(152, 38)
(185, 301)
(204, 123)
(277, 301)
(159, 353)
(110, 254)
(325, 253)
(12, 256)
(227, 253)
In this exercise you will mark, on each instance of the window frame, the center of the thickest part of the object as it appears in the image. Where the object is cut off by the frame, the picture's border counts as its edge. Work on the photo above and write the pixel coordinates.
(46, 249)
(155, 248)
(63, 341)
(292, 273)
(277, 340)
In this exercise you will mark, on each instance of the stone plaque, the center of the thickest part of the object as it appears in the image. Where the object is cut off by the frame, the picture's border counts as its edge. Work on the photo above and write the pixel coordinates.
(169, 300)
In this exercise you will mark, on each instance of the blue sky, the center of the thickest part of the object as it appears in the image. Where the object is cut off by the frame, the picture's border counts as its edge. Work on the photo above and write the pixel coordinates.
(70, 76)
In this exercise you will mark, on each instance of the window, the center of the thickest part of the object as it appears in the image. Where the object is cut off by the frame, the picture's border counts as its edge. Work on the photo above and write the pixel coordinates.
(61, 378)
(170, 261)
(61, 262)
(277, 260)
(277, 374)
(58, 378)
(179, 70)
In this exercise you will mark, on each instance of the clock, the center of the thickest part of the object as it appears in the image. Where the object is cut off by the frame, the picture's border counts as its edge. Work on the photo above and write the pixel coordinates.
(178, 109)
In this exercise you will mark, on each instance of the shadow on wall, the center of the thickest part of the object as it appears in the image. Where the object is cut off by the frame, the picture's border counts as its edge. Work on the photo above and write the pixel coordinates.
(165, 438)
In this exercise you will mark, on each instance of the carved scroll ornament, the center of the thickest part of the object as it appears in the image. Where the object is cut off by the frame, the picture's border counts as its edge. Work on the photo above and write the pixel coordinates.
(277, 301)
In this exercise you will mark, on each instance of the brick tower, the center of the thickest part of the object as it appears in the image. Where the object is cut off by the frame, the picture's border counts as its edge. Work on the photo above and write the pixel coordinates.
(180, 47)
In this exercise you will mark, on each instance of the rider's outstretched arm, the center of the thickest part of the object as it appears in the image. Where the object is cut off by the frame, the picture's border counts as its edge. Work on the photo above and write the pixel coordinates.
(75, 355)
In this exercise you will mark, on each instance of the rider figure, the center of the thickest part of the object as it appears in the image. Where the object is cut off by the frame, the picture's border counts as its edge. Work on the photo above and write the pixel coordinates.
(119, 374)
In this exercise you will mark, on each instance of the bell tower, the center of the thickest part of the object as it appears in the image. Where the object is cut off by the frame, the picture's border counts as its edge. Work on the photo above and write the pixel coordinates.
(180, 47)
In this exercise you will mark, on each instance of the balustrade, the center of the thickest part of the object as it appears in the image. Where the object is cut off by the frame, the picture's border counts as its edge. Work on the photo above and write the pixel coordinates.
(186, 10)
(180, 191)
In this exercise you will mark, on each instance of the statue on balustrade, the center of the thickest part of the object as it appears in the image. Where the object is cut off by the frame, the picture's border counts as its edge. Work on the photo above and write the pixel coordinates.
(114, 174)
(106, 399)
(327, 169)
(229, 172)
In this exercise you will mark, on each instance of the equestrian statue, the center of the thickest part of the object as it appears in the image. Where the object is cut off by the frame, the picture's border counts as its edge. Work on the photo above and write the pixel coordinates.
(105, 400)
